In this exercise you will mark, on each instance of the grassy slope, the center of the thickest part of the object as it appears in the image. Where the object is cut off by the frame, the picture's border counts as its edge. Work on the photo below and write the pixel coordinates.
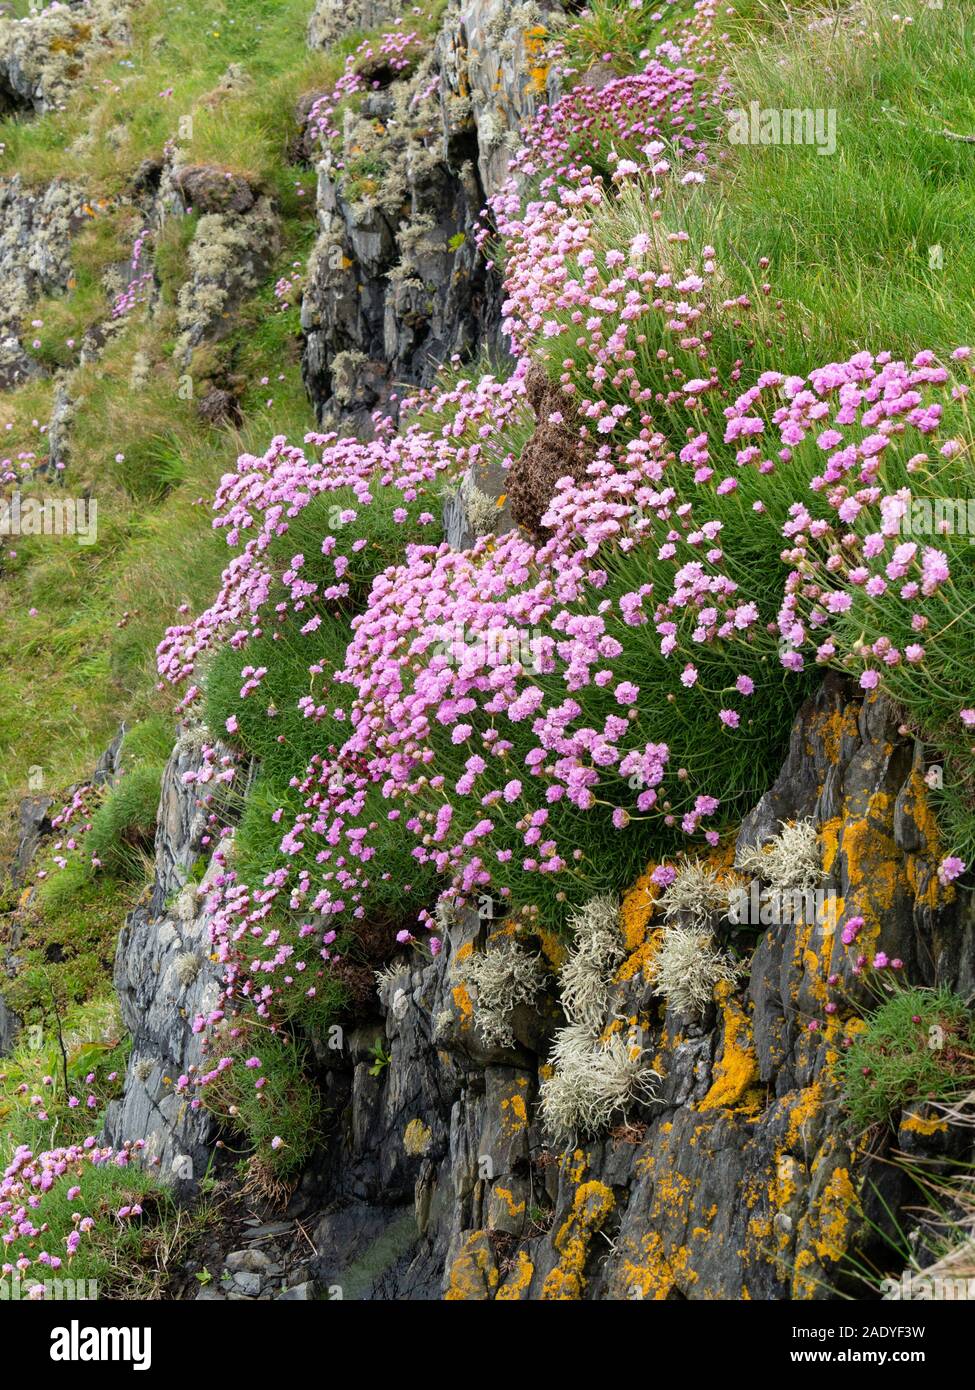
(70, 671)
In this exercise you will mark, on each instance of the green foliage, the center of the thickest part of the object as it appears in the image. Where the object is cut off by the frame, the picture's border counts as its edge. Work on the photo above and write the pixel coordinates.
(618, 33)
(69, 941)
(286, 1107)
(917, 1046)
(124, 826)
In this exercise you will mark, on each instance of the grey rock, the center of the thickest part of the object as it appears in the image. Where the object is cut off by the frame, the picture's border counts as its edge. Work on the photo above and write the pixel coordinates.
(304, 1292)
(247, 1261)
(247, 1284)
(157, 1007)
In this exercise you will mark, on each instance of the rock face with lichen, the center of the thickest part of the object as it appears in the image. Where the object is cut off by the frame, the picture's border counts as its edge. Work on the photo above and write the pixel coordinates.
(395, 284)
(35, 239)
(43, 54)
(739, 1180)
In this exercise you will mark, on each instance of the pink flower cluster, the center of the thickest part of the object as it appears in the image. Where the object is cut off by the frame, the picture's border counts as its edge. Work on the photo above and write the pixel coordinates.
(29, 1180)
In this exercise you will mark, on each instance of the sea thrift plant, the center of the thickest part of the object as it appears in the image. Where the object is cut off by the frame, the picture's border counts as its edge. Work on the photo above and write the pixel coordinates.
(531, 719)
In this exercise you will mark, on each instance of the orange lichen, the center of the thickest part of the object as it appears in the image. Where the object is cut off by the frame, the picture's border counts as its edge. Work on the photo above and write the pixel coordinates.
(637, 909)
(590, 1207)
(516, 1285)
(641, 959)
(736, 1075)
(808, 1103)
(919, 1124)
(654, 1269)
(463, 1003)
(474, 1274)
(505, 1195)
(514, 1114)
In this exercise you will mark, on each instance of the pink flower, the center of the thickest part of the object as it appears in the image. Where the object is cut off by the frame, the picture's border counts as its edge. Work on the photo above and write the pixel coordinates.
(951, 868)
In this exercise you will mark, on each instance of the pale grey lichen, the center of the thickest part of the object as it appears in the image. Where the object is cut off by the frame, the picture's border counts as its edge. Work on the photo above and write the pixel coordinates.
(44, 54)
(597, 949)
(227, 258)
(790, 859)
(390, 979)
(696, 893)
(500, 978)
(480, 509)
(687, 967)
(593, 1080)
(187, 966)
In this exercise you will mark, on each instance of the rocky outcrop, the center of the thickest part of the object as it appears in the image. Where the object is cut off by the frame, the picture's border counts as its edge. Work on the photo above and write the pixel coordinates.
(164, 978)
(36, 227)
(333, 19)
(738, 1180)
(396, 283)
(44, 54)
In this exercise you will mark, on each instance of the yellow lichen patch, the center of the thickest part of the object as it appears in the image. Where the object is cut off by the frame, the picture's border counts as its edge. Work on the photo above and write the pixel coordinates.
(808, 1103)
(637, 909)
(474, 1274)
(832, 729)
(641, 959)
(577, 1170)
(515, 1286)
(464, 1004)
(590, 1207)
(922, 867)
(654, 1270)
(825, 1233)
(553, 949)
(836, 1203)
(514, 1114)
(736, 1075)
(920, 1124)
(464, 952)
(534, 42)
(505, 1195)
(417, 1138)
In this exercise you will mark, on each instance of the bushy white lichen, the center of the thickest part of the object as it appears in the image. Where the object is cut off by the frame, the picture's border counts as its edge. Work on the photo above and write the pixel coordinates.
(687, 967)
(593, 1080)
(695, 893)
(597, 950)
(480, 509)
(187, 966)
(502, 977)
(390, 979)
(790, 859)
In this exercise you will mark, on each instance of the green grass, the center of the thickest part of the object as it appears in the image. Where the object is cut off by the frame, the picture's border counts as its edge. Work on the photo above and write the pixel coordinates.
(849, 234)
(917, 1047)
(606, 31)
(286, 1108)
